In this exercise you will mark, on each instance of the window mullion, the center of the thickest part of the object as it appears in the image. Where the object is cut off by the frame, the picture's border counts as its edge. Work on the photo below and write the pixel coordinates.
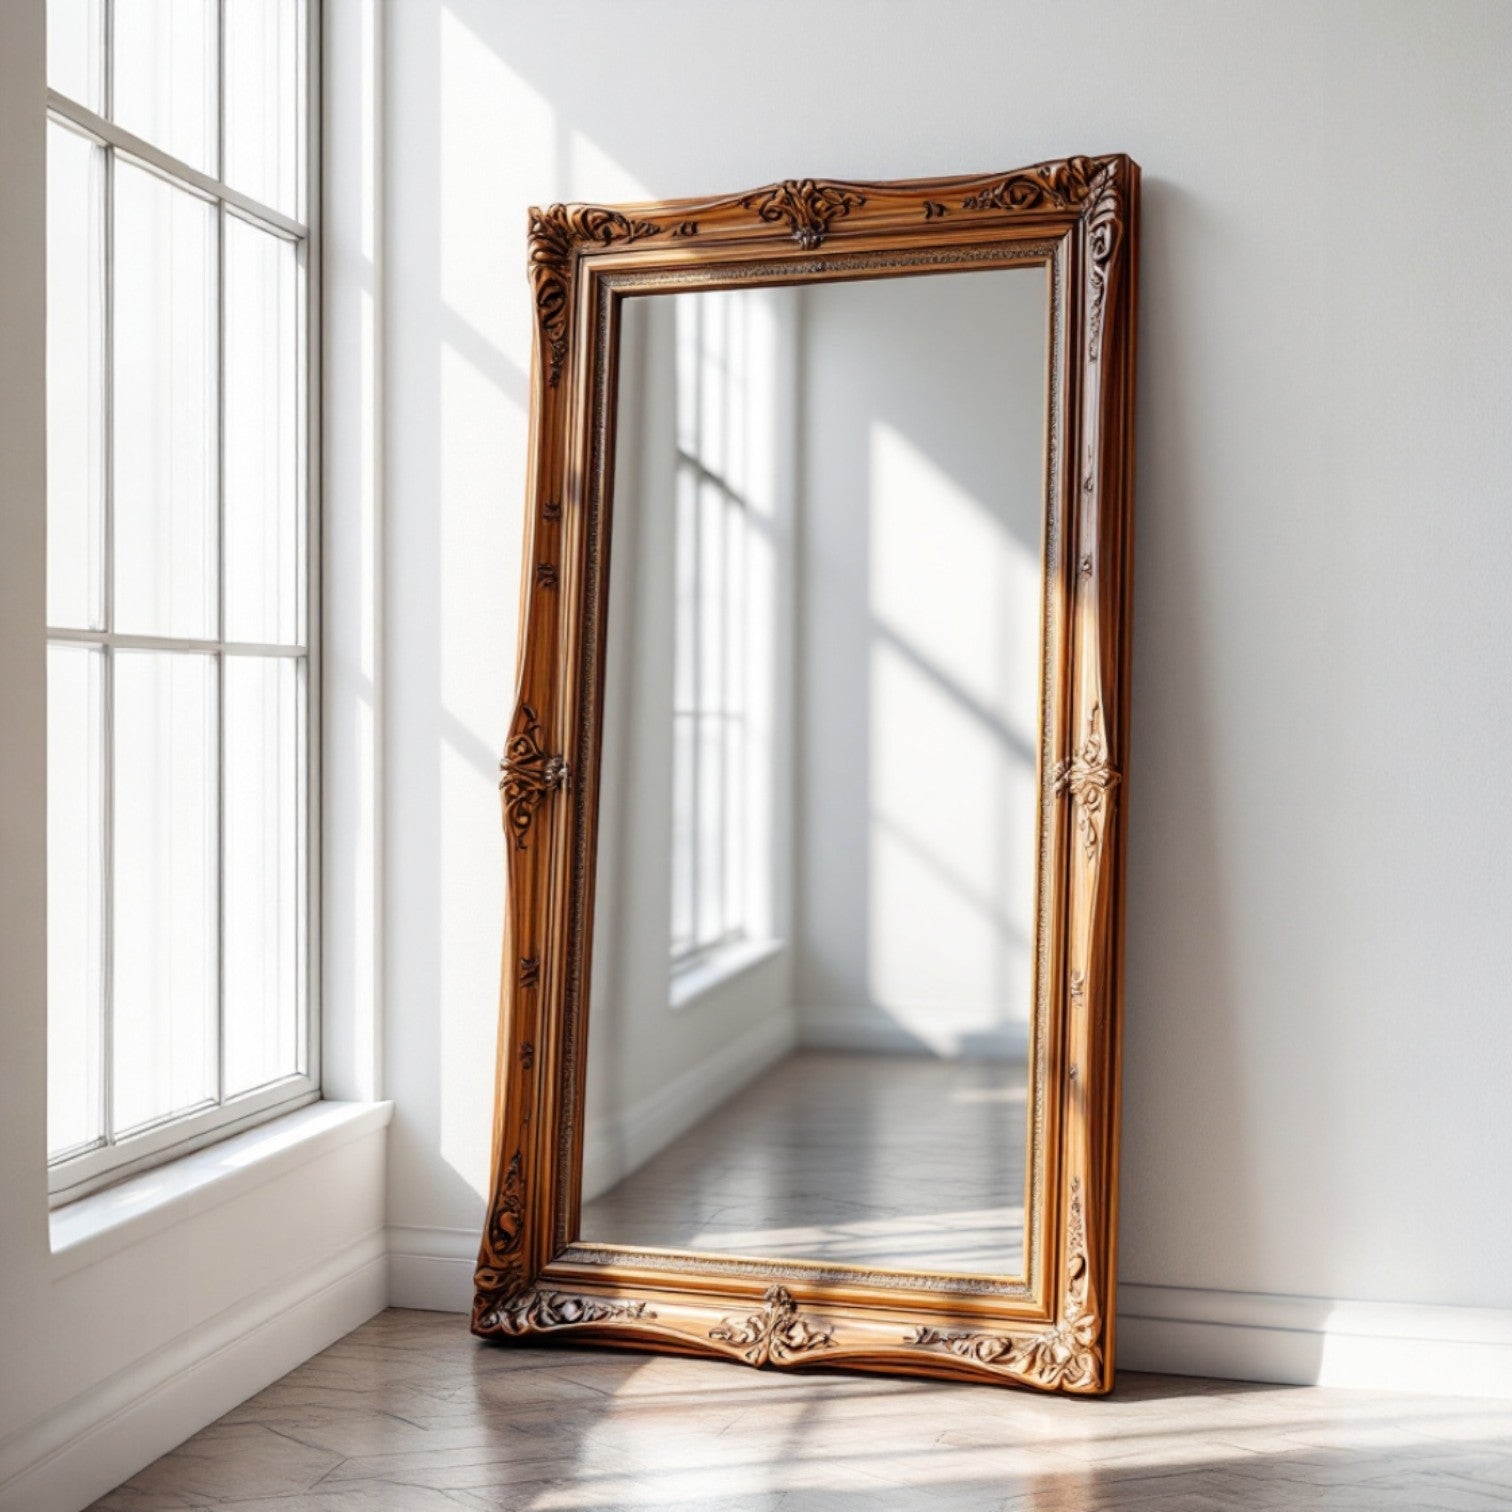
(695, 742)
(220, 631)
(107, 619)
(220, 557)
(174, 170)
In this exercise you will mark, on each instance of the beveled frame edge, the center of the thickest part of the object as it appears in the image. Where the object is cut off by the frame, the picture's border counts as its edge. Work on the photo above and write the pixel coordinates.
(605, 282)
(1062, 1339)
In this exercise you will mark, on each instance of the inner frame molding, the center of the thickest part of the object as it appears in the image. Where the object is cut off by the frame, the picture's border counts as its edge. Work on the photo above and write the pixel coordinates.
(1053, 1327)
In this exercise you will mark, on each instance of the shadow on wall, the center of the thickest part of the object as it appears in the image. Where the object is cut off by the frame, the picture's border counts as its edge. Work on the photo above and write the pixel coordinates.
(1182, 1012)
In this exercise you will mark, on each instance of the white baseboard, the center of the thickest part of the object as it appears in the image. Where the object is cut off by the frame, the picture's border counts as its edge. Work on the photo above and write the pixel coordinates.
(1307, 1341)
(1170, 1330)
(614, 1147)
(110, 1432)
(432, 1268)
(871, 1030)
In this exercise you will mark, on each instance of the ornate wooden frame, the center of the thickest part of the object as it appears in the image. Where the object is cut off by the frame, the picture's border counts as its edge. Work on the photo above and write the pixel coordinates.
(1053, 1327)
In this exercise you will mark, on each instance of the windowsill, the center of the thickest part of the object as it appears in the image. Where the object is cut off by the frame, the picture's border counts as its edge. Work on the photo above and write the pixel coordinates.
(710, 972)
(98, 1225)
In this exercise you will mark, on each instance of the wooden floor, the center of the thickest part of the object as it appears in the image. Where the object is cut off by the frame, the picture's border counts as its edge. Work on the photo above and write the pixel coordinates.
(849, 1159)
(409, 1414)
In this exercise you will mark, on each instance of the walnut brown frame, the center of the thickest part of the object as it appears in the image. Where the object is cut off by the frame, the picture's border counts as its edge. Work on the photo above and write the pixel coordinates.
(1053, 1327)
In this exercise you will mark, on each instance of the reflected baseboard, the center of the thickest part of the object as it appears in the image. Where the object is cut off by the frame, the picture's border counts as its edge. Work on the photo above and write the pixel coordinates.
(874, 1030)
(616, 1146)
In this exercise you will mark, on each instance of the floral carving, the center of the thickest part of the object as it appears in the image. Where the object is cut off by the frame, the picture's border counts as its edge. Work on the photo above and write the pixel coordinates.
(807, 205)
(526, 774)
(556, 233)
(1089, 777)
(779, 1332)
(499, 1272)
(541, 1311)
(1049, 186)
(1104, 223)
(1067, 1355)
(530, 971)
(1077, 181)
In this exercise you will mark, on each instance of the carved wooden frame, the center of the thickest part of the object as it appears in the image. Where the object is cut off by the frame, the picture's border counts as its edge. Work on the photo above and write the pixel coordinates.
(1053, 1327)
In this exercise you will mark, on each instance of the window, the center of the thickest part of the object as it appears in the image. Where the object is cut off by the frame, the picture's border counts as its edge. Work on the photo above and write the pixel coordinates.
(709, 834)
(180, 589)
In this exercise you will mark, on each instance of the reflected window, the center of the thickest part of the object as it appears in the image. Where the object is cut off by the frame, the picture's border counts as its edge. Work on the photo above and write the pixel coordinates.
(711, 697)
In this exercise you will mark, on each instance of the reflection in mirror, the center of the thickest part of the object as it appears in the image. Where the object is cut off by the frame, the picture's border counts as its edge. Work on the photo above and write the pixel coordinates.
(814, 953)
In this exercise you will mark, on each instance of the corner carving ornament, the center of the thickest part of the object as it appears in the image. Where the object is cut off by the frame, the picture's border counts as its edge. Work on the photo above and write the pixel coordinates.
(1086, 183)
(1066, 1356)
(527, 773)
(1048, 186)
(778, 1333)
(500, 1273)
(1089, 777)
(556, 234)
(541, 1311)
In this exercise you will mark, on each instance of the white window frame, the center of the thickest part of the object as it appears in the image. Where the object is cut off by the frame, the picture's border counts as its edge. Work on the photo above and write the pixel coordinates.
(74, 1174)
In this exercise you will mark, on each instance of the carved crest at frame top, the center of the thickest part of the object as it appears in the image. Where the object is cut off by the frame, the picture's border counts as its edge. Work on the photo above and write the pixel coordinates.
(808, 209)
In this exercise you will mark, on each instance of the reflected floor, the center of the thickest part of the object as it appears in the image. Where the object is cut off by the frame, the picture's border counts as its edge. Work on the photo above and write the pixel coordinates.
(898, 1161)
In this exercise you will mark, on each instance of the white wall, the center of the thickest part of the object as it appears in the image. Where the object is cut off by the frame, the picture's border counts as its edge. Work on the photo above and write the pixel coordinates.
(1319, 960)
(920, 521)
(112, 1353)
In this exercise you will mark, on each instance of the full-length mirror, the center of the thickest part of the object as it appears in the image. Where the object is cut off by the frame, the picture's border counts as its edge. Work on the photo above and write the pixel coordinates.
(814, 786)
(813, 960)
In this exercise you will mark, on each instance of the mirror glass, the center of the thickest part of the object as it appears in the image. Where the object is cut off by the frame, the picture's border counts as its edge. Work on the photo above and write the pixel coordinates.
(814, 950)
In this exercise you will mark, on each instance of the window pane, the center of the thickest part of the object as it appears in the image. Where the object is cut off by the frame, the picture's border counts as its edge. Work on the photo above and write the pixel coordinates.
(263, 864)
(685, 636)
(711, 383)
(75, 378)
(75, 895)
(76, 49)
(683, 825)
(263, 153)
(733, 921)
(688, 344)
(165, 417)
(262, 437)
(165, 76)
(165, 884)
(710, 864)
(711, 590)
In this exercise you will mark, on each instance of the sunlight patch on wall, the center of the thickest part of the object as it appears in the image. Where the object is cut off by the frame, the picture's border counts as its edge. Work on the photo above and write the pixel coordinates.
(952, 742)
(483, 181)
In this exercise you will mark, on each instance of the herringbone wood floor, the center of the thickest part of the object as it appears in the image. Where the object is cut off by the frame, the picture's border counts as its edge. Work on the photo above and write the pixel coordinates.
(409, 1414)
